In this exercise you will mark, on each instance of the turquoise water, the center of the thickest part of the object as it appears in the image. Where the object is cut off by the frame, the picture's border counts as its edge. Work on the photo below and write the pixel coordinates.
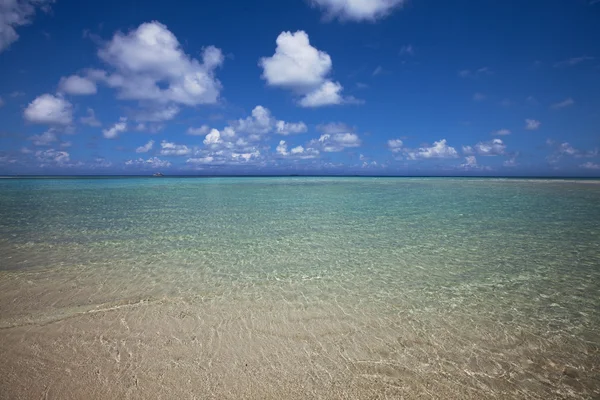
(331, 287)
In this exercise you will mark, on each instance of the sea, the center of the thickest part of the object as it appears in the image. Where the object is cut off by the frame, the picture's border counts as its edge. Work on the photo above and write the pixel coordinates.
(299, 288)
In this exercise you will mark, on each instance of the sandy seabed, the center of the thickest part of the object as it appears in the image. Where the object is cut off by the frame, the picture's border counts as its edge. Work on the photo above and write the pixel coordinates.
(61, 339)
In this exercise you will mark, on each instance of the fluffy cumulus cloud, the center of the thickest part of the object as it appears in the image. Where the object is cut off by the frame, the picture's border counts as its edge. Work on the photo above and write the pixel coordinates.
(532, 124)
(145, 148)
(229, 147)
(261, 122)
(150, 163)
(213, 137)
(226, 157)
(50, 110)
(298, 66)
(357, 10)
(335, 142)
(172, 149)
(493, 147)
(297, 152)
(116, 129)
(471, 164)
(440, 149)
(15, 13)
(290, 128)
(77, 85)
(395, 145)
(326, 94)
(150, 65)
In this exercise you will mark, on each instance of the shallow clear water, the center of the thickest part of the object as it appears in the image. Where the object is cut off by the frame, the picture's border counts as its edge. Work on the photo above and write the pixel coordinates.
(300, 287)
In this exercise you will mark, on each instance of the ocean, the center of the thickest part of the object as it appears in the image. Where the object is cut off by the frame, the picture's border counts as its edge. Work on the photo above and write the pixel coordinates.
(299, 287)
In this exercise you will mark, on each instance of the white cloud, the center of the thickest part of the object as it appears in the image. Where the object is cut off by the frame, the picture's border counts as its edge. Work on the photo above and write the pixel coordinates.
(297, 152)
(566, 149)
(153, 162)
(145, 148)
(77, 85)
(203, 130)
(395, 145)
(590, 165)
(282, 148)
(245, 157)
(327, 94)
(90, 119)
(330, 143)
(501, 132)
(152, 127)
(52, 156)
(440, 149)
(298, 66)
(14, 13)
(49, 109)
(44, 139)
(532, 124)
(214, 137)
(565, 103)
(1, 102)
(357, 10)
(471, 164)
(288, 128)
(172, 149)
(295, 63)
(378, 71)
(117, 128)
(261, 122)
(151, 66)
(493, 147)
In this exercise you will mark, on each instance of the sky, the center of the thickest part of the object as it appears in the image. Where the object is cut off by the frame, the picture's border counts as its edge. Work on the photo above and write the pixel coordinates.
(373, 87)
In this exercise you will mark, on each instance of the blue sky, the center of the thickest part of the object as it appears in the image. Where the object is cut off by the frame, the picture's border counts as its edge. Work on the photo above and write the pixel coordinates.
(401, 87)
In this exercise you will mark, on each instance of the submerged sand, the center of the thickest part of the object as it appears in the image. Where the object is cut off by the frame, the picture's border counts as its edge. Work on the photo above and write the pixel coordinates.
(65, 335)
